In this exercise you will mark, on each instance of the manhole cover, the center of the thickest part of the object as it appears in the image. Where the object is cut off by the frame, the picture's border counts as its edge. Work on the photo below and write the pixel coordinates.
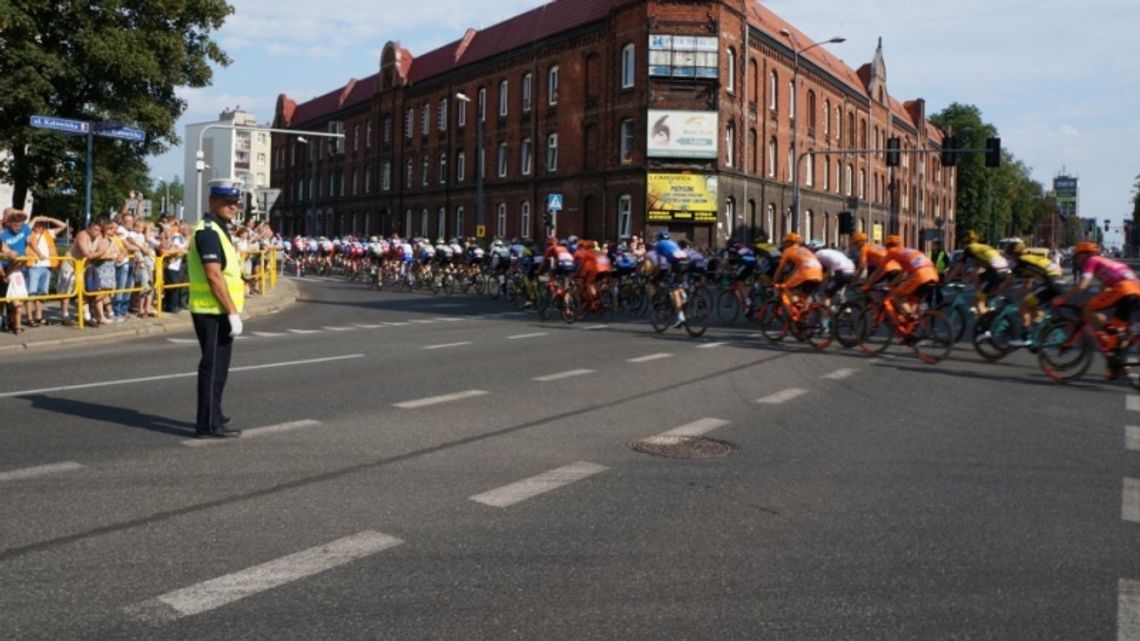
(682, 447)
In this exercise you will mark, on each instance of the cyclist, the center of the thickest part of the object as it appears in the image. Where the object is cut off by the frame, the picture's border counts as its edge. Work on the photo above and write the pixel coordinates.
(1034, 269)
(806, 272)
(872, 256)
(839, 268)
(591, 265)
(985, 266)
(1119, 288)
(669, 259)
(921, 275)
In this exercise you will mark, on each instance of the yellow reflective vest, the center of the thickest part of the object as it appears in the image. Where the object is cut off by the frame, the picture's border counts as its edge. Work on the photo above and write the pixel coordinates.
(202, 300)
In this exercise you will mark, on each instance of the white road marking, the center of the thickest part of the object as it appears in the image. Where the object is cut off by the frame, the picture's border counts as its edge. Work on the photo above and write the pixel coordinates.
(227, 589)
(147, 379)
(399, 324)
(1132, 437)
(711, 345)
(436, 400)
(446, 345)
(305, 331)
(339, 329)
(1130, 500)
(650, 357)
(422, 321)
(373, 326)
(1133, 403)
(509, 495)
(696, 428)
(513, 314)
(1128, 611)
(449, 319)
(183, 341)
(593, 328)
(840, 374)
(446, 305)
(518, 336)
(561, 375)
(255, 432)
(782, 396)
(269, 334)
(39, 470)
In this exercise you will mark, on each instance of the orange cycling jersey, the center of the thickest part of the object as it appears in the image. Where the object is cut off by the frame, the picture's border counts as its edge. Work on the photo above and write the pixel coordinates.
(591, 262)
(873, 255)
(806, 267)
(920, 271)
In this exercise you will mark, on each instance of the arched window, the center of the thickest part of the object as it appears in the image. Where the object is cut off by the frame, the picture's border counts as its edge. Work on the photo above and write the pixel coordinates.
(628, 65)
(552, 86)
(729, 216)
(443, 168)
(772, 157)
(792, 100)
(791, 162)
(501, 225)
(460, 166)
(754, 76)
(826, 117)
(730, 82)
(773, 95)
(527, 91)
(838, 174)
(851, 129)
(847, 180)
(441, 222)
(826, 184)
(504, 98)
(862, 183)
(770, 221)
(809, 171)
(524, 220)
(808, 222)
(811, 113)
(424, 222)
(729, 145)
(753, 150)
(459, 221)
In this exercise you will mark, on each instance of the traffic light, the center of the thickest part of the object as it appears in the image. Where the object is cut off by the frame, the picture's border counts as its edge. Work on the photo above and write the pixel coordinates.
(548, 219)
(248, 205)
(993, 152)
(949, 158)
(892, 152)
(1106, 225)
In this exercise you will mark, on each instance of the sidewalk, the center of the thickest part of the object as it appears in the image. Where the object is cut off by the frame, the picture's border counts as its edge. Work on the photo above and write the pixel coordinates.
(57, 335)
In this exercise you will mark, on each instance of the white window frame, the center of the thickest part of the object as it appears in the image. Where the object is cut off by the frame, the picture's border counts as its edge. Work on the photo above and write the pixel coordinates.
(462, 113)
(425, 116)
(481, 105)
(527, 91)
(730, 145)
(368, 135)
(526, 157)
(441, 222)
(773, 90)
(502, 160)
(460, 169)
(524, 219)
(552, 152)
(552, 86)
(504, 98)
(443, 167)
(441, 117)
(809, 175)
(772, 158)
(626, 138)
(792, 100)
(425, 167)
(424, 222)
(624, 215)
(730, 84)
(791, 162)
(826, 118)
(628, 65)
(501, 221)
(848, 172)
(386, 176)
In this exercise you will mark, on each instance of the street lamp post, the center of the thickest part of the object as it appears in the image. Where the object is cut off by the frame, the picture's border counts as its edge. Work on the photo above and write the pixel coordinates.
(479, 160)
(795, 120)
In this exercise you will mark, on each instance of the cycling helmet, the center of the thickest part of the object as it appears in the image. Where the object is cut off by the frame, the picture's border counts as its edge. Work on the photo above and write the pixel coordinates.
(815, 245)
(792, 238)
(1086, 247)
(973, 237)
(374, 239)
(1017, 247)
(662, 235)
(893, 241)
(859, 237)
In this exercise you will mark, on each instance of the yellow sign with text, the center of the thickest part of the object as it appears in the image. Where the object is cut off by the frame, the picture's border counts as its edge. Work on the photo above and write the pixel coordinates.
(681, 198)
(480, 231)
(877, 233)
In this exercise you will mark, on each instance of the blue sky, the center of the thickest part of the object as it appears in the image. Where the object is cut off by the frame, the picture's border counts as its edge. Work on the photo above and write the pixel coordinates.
(1059, 78)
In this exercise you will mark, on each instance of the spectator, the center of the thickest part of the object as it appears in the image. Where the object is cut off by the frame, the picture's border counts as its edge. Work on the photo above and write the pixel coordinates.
(43, 257)
(144, 267)
(173, 248)
(127, 248)
(15, 239)
(101, 274)
(184, 274)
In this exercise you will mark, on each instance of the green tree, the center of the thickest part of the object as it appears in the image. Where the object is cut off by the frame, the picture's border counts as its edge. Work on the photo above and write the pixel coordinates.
(98, 60)
(975, 205)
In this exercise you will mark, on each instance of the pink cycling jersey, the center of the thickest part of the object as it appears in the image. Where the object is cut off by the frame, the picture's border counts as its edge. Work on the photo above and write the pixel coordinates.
(1107, 271)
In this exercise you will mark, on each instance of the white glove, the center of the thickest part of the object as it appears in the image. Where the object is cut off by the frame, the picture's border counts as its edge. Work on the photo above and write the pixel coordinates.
(235, 325)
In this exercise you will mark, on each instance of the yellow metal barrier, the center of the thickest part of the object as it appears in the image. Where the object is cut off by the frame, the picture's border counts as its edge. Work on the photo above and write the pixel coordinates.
(76, 287)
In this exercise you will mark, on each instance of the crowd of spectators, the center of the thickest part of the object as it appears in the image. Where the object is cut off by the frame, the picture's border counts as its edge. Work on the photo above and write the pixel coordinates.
(121, 253)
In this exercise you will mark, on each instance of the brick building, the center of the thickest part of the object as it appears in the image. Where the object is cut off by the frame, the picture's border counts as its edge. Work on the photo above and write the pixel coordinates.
(640, 114)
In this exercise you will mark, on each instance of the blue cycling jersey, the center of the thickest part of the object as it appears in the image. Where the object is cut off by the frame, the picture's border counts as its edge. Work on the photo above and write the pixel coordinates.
(668, 250)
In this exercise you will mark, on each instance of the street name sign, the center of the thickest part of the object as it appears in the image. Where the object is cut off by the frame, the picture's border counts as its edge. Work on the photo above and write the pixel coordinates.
(61, 124)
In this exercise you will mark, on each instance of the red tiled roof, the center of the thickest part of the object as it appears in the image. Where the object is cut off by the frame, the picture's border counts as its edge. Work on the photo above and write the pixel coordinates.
(352, 93)
(772, 24)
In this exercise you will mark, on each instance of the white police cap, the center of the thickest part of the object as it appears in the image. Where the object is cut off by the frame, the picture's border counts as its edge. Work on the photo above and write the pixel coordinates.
(225, 188)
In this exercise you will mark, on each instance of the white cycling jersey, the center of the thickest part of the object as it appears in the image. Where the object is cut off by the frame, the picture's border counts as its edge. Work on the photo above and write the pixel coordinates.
(835, 261)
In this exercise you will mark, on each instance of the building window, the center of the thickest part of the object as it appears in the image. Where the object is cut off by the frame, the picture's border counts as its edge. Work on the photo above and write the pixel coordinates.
(424, 222)
(460, 170)
(503, 95)
(425, 118)
(772, 158)
(624, 216)
(862, 183)
(851, 130)
(356, 138)
(791, 162)
(367, 181)
(847, 180)
(459, 220)
(526, 162)
(552, 152)
(753, 141)
(409, 122)
(552, 86)
(773, 80)
(355, 184)
(441, 117)
(730, 82)
(628, 64)
(461, 107)
(332, 185)
(811, 113)
(501, 221)
(481, 105)
(770, 221)
(441, 223)
(826, 173)
(809, 175)
(838, 124)
(792, 100)
(862, 134)
(626, 141)
(502, 160)
(809, 219)
(826, 117)
(443, 168)
(425, 166)
(527, 91)
(838, 174)
(368, 135)
(524, 220)
(408, 222)
(729, 145)
(730, 216)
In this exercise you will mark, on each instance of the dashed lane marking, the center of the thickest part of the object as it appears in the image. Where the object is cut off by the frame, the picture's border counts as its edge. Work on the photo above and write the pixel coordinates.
(372, 326)
(840, 374)
(255, 432)
(183, 341)
(650, 357)
(1128, 611)
(1132, 437)
(215, 593)
(305, 331)
(509, 495)
(696, 428)
(561, 375)
(782, 396)
(422, 321)
(519, 336)
(39, 470)
(448, 319)
(446, 345)
(1130, 500)
(398, 324)
(1133, 403)
(269, 334)
(339, 329)
(436, 400)
(711, 345)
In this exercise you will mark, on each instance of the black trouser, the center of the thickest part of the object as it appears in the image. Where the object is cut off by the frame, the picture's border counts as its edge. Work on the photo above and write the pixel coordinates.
(217, 345)
(170, 297)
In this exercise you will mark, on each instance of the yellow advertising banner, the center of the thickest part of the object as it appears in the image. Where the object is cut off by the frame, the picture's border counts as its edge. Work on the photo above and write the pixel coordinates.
(877, 233)
(682, 198)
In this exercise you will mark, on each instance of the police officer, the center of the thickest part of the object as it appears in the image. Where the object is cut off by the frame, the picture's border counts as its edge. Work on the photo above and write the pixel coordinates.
(217, 296)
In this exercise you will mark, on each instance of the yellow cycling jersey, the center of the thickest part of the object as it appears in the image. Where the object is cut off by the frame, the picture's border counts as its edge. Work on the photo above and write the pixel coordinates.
(983, 254)
(1034, 266)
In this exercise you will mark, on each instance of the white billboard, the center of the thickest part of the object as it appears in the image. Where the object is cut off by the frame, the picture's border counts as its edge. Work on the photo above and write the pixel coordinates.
(683, 134)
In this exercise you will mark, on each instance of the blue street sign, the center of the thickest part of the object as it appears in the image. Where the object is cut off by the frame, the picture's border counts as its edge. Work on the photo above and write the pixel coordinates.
(554, 202)
(61, 124)
(123, 133)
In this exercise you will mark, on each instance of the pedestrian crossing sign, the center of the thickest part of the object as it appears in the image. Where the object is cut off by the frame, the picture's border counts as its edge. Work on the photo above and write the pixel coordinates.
(554, 202)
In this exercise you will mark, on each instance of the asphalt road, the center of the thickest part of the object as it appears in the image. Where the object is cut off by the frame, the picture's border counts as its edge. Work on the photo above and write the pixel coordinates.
(442, 468)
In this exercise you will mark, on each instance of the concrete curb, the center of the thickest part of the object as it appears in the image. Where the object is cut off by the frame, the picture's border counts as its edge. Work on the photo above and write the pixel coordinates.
(279, 299)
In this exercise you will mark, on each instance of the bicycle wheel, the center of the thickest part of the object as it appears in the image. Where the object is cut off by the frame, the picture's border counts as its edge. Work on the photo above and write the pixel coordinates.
(448, 284)
(1065, 353)
(511, 288)
(727, 307)
(773, 323)
(1131, 361)
(875, 335)
(817, 327)
(697, 313)
(993, 332)
(932, 338)
(569, 306)
(661, 311)
(958, 315)
(543, 303)
(705, 294)
(606, 305)
(494, 287)
(845, 324)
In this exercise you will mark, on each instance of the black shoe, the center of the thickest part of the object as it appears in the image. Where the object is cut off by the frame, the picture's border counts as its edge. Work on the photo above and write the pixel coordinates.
(227, 434)
(225, 420)
(203, 435)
